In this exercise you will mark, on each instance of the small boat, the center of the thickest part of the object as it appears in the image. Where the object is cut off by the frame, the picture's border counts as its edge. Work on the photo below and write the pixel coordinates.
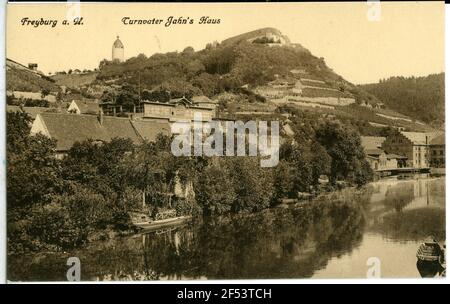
(158, 224)
(429, 251)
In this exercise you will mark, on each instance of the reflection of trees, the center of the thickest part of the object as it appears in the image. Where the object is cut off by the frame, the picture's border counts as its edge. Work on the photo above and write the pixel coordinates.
(278, 243)
(415, 224)
(399, 196)
(273, 244)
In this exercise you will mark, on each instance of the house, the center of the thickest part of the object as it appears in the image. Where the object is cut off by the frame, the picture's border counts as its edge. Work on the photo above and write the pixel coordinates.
(33, 66)
(437, 151)
(204, 102)
(413, 145)
(68, 129)
(380, 161)
(377, 159)
(395, 161)
(83, 107)
(379, 105)
(176, 110)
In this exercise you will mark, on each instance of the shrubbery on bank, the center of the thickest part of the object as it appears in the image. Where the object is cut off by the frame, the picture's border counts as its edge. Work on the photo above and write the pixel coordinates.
(58, 204)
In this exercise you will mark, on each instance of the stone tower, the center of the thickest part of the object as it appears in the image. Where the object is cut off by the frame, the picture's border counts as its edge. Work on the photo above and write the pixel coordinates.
(117, 50)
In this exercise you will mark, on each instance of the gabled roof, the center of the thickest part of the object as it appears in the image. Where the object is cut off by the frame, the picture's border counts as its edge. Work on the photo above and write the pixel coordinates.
(87, 107)
(149, 129)
(421, 138)
(438, 140)
(373, 152)
(202, 99)
(372, 142)
(118, 43)
(68, 128)
(183, 100)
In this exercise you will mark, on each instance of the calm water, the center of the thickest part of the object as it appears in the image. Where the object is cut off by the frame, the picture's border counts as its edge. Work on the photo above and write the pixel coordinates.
(331, 237)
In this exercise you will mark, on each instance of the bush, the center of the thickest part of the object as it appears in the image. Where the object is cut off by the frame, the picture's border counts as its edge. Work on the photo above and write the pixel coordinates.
(67, 221)
(53, 224)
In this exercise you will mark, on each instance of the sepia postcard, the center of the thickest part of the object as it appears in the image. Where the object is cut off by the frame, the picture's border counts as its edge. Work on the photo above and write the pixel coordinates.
(224, 141)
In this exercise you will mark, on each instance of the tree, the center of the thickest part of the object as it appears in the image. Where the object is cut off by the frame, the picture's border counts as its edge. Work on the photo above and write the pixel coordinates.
(33, 172)
(343, 144)
(252, 184)
(188, 50)
(44, 93)
(214, 190)
(18, 128)
(283, 181)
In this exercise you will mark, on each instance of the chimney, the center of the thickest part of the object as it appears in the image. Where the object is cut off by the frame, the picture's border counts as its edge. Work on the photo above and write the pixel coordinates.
(100, 117)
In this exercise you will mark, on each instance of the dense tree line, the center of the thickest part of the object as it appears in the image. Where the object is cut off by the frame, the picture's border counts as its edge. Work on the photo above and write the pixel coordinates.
(419, 97)
(61, 203)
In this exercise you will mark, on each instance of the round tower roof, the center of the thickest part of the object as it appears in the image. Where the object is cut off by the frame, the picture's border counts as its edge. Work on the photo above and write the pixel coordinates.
(118, 43)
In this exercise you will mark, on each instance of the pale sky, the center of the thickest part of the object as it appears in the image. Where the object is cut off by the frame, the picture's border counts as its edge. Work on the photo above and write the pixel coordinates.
(408, 40)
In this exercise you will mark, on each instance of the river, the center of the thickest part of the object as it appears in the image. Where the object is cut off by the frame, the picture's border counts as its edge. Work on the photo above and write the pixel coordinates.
(333, 236)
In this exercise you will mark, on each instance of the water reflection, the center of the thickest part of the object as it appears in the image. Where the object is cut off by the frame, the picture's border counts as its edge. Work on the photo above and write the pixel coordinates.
(332, 237)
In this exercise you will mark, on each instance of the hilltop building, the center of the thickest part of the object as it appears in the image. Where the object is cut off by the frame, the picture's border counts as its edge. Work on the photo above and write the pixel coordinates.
(269, 36)
(33, 66)
(118, 51)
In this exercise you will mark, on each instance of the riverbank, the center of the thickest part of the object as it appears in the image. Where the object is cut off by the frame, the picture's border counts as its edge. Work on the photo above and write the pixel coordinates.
(330, 237)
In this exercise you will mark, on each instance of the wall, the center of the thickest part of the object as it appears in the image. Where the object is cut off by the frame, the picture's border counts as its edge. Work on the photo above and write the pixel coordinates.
(118, 54)
(176, 113)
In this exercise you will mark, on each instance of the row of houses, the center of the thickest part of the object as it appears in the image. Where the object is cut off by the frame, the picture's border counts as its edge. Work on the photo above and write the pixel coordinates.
(408, 150)
(78, 124)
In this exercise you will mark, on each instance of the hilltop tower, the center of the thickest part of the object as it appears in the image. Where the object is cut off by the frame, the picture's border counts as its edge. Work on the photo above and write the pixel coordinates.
(117, 50)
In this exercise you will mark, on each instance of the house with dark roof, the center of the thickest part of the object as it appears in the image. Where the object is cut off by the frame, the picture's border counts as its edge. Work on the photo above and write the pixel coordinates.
(69, 128)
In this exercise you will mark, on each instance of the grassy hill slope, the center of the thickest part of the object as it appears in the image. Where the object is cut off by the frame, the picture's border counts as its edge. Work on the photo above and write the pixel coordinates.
(19, 78)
